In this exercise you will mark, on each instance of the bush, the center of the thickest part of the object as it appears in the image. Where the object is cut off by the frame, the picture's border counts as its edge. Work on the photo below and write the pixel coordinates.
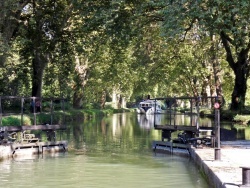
(92, 106)
(227, 115)
(206, 112)
(243, 119)
(15, 121)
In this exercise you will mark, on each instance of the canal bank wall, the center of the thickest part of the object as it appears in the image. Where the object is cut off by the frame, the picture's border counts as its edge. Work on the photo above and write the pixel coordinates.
(226, 172)
(208, 173)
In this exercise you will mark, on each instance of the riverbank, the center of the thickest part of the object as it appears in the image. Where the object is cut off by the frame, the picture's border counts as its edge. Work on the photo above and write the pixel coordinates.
(58, 117)
(226, 172)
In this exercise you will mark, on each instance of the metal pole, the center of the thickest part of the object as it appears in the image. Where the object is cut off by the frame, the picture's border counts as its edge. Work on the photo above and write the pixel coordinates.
(218, 119)
(154, 112)
(191, 111)
(245, 176)
(217, 149)
(170, 113)
(174, 111)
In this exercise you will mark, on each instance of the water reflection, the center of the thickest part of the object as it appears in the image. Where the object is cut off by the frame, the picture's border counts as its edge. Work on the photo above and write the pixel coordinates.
(148, 121)
(110, 152)
(228, 130)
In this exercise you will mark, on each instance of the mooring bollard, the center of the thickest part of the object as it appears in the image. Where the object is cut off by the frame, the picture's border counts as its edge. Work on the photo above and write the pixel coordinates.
(217, 154)
(245, 176)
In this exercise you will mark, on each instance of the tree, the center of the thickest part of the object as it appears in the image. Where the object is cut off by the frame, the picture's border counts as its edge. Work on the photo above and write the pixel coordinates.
(107, 25)
(9, 22)
(227, 19)
(44, 33)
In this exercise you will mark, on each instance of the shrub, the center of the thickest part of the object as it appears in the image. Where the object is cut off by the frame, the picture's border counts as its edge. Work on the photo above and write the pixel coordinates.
(243, 119)
(15, 121)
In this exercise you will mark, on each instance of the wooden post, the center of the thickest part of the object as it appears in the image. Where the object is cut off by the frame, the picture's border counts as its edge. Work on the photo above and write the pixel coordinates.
(22, 100)
(198, 112)
(63, 111)
(51, 112)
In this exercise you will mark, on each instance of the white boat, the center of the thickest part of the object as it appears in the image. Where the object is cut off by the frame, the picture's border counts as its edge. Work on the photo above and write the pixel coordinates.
(148, 121)
(149, 107)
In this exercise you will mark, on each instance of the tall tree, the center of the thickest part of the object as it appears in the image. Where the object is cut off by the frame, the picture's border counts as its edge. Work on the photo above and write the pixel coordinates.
(9, 22)
(108, 26)
(227, 19)
(44, 34)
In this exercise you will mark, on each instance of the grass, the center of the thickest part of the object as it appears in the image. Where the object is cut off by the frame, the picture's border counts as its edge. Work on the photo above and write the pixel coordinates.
(58, 117)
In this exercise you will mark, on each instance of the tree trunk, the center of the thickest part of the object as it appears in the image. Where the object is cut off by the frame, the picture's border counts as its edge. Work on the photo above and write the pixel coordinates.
(114, 99)
(216, 67)
(80, 79)
(39, 63)
(241, 71)
(240, 86)
(103, 99)
(216, 88)
(206, 92)
(124, 102)
(78, 98)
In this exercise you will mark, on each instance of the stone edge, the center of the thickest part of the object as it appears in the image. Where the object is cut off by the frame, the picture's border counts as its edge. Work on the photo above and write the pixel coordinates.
(213, 180)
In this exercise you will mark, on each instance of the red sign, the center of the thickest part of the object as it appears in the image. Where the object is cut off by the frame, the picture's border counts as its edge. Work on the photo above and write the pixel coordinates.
(216, 105)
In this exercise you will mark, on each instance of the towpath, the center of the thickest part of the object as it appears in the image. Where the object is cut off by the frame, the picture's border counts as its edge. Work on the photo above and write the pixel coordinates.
(226, 172)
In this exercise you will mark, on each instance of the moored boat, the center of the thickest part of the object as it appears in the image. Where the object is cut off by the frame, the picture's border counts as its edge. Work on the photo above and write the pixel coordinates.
(149, 107)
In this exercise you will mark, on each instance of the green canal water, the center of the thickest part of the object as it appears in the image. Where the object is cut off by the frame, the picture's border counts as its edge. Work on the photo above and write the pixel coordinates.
(104, 153)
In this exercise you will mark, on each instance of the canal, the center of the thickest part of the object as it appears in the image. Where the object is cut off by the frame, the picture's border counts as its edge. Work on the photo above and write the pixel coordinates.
(114, 151)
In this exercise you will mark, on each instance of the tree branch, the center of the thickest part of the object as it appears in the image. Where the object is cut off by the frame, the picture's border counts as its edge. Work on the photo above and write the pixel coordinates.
(225, 40)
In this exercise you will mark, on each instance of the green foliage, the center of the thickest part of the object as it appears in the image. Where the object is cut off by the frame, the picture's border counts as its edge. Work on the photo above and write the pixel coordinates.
(92, 106)
(247, 133)
(58, 117)
(134, 48)
(16, 121)
(243, 119)
(11, 121)
(206, 113)
(121, 110)
(228, 114)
